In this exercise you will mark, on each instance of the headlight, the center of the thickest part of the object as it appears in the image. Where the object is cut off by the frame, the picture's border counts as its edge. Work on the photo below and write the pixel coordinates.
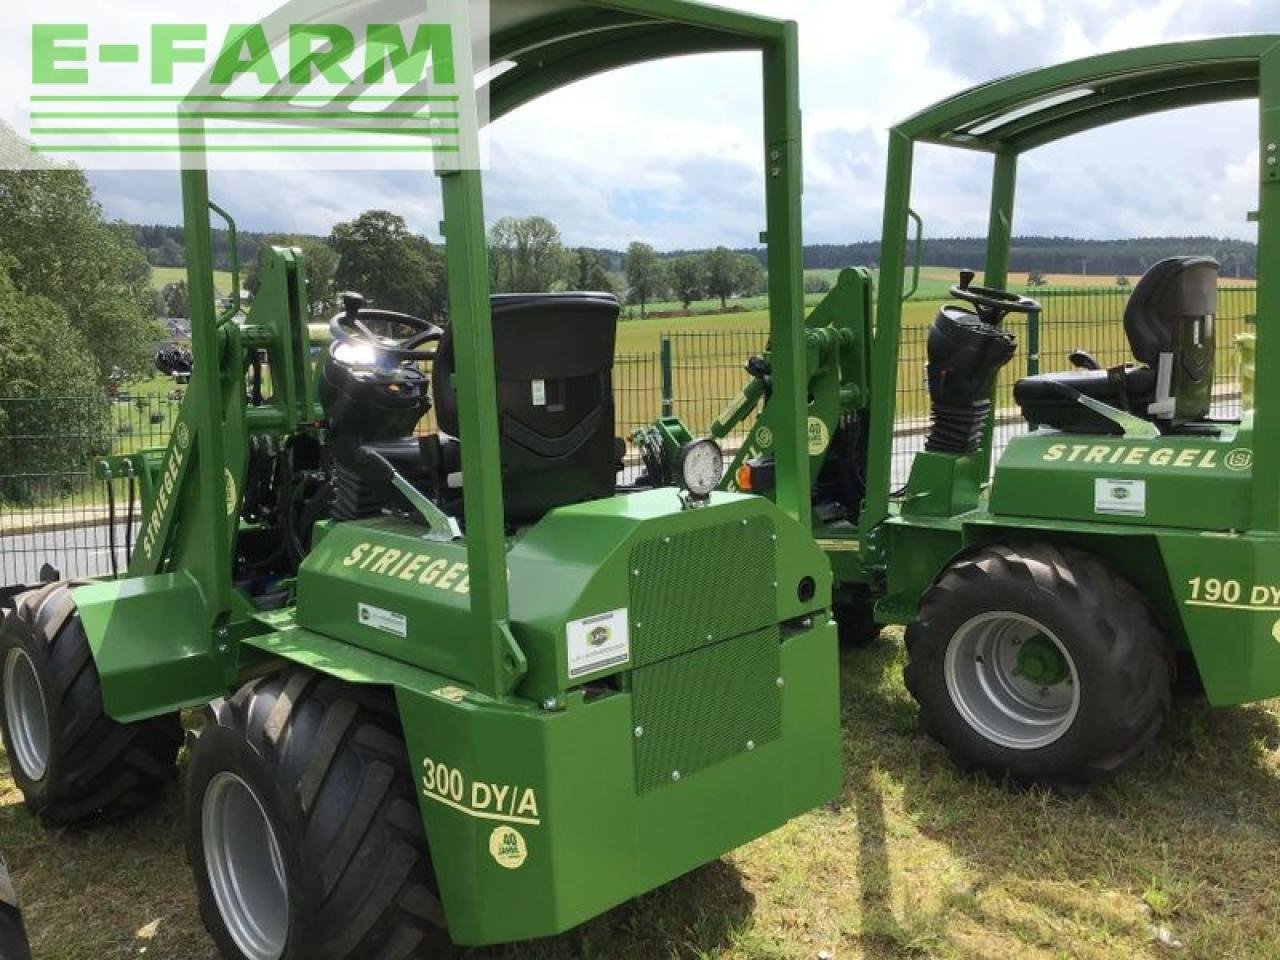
(353, 353)
(701, 467)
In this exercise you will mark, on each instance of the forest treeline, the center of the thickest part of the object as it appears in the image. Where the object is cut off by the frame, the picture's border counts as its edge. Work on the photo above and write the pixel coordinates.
(163, 246)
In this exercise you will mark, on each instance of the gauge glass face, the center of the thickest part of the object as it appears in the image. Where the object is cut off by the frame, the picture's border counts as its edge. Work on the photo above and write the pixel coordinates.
(702, 467)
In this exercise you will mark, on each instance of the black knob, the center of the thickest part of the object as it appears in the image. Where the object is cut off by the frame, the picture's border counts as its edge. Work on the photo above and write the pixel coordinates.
(352, 303)
(966, 278)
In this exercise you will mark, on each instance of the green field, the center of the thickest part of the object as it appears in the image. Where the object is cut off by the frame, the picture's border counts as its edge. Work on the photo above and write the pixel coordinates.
(709, 351)
(161, 277)
(911, 860)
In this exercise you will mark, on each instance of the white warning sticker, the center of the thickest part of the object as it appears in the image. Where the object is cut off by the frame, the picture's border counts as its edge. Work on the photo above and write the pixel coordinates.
(597, 642)
(385, 620)
(1124, 498)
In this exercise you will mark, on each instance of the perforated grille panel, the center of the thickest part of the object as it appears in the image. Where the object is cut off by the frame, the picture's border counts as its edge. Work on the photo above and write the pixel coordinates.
(706, 706)
(702, 586)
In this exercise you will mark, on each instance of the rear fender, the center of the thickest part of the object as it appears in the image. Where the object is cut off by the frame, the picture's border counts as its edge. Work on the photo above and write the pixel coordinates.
(152, 645)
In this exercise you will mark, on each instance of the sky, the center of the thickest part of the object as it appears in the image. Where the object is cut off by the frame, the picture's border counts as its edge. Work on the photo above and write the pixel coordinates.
(670, 153)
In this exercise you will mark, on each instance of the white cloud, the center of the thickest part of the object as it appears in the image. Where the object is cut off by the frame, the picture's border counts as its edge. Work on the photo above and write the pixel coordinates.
(670, 152)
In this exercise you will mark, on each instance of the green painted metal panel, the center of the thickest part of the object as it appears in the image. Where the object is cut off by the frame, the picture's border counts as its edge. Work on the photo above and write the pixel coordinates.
(468, 281)
(943, 485)
(888, 332)
(152, 644)
(1195, 482)
(1030, 109)
(694, 711)
(1266, 490)
(784, 186)
(705, 574)
(380, 586)
(565, 783)
(578, 562)
(1227, 591)
(690, 589)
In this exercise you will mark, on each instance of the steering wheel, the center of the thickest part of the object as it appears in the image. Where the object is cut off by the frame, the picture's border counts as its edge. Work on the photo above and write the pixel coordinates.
(993, 305)
(352, 324)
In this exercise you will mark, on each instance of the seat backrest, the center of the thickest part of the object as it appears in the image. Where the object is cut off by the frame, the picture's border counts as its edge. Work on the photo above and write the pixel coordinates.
(1170, 325)
(553, 362)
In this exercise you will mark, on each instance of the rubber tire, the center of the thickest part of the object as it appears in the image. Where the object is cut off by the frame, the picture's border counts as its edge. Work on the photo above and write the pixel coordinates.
(13, 934)
(329, 765)
(856, 624)
(1124, 665)
(98, 769)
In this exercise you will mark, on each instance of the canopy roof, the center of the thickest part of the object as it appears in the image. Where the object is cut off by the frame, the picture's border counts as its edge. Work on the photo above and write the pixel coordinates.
(1031, 109)
(540, 45)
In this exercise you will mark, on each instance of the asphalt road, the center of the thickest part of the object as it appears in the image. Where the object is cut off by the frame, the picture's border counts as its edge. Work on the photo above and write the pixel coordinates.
(75, 552)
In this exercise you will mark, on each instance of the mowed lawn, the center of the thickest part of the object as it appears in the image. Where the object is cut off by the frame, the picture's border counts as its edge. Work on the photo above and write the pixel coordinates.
(912, 859)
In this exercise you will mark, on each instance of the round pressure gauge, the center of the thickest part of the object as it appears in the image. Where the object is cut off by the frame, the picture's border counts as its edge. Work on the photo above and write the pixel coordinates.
(701, 467)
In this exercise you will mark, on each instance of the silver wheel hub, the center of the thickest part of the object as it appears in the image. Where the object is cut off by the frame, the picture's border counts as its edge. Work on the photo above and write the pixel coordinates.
(26, 714)
(993, 685)
(246, 870)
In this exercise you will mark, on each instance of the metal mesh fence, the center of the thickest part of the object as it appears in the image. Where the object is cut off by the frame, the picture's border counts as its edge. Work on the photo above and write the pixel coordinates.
(52, 511)
(707, 372)
(1073, 318)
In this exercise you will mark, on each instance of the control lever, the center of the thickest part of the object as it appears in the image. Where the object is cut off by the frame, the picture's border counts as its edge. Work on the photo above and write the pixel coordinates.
(1084, 360)
(440, 526)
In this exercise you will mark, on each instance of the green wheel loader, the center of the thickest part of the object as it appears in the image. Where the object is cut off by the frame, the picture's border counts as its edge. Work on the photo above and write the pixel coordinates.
(1053, 591)
(463, 680)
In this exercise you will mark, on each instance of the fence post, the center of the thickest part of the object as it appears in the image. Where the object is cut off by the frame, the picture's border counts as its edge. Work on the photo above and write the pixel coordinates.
(668, 382)
(1033, 343)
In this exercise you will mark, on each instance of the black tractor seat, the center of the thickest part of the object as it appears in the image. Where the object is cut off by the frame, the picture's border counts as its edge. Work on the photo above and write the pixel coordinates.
(553, 358)
(1169, 321)
(1053, 399)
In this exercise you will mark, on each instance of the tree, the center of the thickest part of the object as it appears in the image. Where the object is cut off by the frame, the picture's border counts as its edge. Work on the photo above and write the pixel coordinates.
(816, 284)
(43, 362)
(687, 279)
(62, 250)
(526, 255)
(391, 267)
(176, 301)
(591, 274)
(723, 273)
(644, 274)
(752, 280)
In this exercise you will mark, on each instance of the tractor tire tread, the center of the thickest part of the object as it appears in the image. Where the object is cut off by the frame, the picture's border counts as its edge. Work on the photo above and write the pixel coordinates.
(339, 763)
(100, 769)
(1115, 613)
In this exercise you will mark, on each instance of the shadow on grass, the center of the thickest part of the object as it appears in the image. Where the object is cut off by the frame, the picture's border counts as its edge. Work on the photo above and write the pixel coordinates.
(1184, 838)
(63, 876)
(697, 915)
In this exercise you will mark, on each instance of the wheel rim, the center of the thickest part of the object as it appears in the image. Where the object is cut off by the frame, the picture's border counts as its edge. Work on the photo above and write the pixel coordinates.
(26, 713)
(1012, 680)
(246, 871)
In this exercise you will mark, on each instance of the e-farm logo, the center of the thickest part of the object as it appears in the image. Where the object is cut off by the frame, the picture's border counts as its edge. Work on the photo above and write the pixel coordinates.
(359, 82)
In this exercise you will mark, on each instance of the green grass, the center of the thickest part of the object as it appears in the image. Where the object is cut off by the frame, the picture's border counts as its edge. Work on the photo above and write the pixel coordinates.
(161, 277)
(913, 859)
